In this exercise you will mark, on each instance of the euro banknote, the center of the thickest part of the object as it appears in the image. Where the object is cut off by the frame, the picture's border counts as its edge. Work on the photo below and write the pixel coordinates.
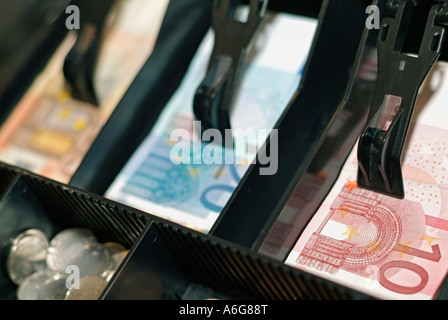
(176, 173)
(49, 132)
(387, 247)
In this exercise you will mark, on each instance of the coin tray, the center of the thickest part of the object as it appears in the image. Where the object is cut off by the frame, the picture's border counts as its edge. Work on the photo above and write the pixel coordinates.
(166, 261)
(183, 28)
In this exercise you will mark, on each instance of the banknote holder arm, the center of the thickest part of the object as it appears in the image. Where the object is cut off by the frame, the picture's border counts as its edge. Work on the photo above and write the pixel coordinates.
(213, 98)
(401, 75)
(80, 62)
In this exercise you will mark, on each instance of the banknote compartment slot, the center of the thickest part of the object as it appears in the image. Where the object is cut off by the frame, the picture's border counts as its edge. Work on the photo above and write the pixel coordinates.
(317, 105)
(81, 61)
(98, 173)
(39, 29)
(38, 203)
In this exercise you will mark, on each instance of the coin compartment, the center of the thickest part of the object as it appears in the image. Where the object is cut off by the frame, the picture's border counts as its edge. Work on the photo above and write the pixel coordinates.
(30, 201)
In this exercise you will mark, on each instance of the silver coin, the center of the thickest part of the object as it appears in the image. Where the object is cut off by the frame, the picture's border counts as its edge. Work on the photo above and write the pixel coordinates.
(67, 244)
(43, 285)
(90, 288)
(93, 260)
(27, 255)
(70, 236)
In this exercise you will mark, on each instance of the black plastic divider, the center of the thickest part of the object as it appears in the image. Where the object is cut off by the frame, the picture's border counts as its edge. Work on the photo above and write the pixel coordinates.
(325, 166)
(38, 31)
(206, 267)
(36, 202)
(185, 25)
(258, 199)
(166, 261)
(7, 180)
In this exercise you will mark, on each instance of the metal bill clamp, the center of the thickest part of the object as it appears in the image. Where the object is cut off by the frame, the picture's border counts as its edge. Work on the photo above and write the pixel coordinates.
(213, 98)
(400, 76)
(80, 62)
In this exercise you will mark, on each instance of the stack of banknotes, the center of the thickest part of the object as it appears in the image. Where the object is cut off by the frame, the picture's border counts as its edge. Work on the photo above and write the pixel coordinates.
(386, 247)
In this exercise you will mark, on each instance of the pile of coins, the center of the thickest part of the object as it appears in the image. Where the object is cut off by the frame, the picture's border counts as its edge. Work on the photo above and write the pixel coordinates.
(74, 265)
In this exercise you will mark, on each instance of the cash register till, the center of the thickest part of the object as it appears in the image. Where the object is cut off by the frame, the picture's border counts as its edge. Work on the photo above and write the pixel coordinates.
(340, 141)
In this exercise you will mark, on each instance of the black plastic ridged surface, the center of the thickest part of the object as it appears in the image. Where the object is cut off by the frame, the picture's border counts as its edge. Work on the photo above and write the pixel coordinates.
(78, 208)
(102, 217)
(240, 270)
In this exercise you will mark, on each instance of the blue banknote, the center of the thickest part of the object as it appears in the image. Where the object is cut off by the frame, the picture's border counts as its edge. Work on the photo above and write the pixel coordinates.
(188, 179)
